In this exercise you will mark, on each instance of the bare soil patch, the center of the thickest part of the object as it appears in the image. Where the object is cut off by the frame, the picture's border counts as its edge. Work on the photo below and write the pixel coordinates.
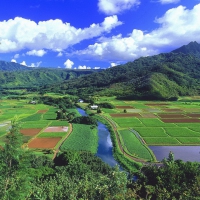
(124, 107)
(126, 115)
(42, 111)
(174, 116)
(44, 143)
(30, 132)
(191, 120)
(172, 110)
(56, 129)
(193, 115)
(148, 115)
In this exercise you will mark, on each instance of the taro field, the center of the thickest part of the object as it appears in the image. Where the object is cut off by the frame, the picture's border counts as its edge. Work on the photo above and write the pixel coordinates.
(38, 124)
(158, 122)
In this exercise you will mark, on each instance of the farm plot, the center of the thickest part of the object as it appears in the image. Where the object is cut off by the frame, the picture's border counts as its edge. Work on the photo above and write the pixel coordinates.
(59, 123)
(148, 115)
(124, 107)
(44, 143)
(34, 124)
(125, 115)
(30, 132)
(161, 141)
(82, 138)
(56, 129)
(34, 117)
(174, 116)
(151, 132)
(128, 122)
(185, 120)
(181, 132)
(51, 134)
(134, 146)
(155, 123)
(189, 141)
(172, 110)
(195, 115)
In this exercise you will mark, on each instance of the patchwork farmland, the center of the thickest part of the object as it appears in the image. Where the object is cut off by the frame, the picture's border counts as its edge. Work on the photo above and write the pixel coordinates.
(158, 123)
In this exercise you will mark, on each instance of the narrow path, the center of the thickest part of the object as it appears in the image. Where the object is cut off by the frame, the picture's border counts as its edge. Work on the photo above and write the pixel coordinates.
(122, 149)
(58, 148)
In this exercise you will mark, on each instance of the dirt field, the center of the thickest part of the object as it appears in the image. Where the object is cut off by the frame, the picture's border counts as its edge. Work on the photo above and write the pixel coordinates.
(30, 132)
(181, 120)
(124, 107)
(148, 115)
(44, 143)
(174, 116)
(126, 115)
(56, 129)
(42, 111)
(193, 115)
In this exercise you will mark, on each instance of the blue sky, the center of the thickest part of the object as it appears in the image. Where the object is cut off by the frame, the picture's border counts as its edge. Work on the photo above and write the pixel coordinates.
(94, 34)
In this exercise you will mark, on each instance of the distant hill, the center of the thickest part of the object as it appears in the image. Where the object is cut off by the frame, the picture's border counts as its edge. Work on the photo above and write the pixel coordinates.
(13, 75)
(164, 76)
(11, 66)
(192, 48)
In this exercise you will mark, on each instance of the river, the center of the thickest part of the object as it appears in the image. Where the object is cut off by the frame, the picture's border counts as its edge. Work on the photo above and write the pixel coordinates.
(105, 145)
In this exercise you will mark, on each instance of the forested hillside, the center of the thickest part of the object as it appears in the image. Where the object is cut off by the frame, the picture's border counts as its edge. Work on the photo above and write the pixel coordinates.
(164, 76)
(14, 76)
(11, 66)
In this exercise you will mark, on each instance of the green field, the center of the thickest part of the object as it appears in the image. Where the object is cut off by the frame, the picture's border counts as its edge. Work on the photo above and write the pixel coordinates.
(151, 132)
(134, 145)
(82, 138)
(52, 134)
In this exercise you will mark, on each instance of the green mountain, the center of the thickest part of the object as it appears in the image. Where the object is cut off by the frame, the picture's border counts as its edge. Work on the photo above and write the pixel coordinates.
(11, 66)
(164, 76)
(13, 75)
(192, 48)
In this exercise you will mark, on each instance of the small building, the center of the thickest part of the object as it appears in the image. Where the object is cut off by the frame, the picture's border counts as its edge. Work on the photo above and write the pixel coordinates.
(94, 107)
(80, 101)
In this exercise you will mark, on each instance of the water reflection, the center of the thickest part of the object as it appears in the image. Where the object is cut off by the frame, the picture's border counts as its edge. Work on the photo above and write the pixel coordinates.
(185, 153)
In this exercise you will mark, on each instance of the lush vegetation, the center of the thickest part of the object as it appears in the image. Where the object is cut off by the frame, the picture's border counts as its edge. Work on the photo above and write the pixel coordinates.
(82, 138)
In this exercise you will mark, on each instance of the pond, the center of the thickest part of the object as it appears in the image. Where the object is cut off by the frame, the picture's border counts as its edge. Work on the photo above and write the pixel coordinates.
(105, 145)
(185, 153)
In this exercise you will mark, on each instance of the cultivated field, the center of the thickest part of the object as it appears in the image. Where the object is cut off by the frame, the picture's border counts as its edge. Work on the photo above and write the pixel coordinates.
(158, 123)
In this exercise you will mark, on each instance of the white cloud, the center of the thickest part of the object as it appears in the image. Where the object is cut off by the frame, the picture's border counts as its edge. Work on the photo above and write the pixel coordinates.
(23, 63)
(20, 33)
(113, 64)
(39, 53)
(14, 61)
(83, 67)
(110, 7)
(168, 1)
(60, 54)
(35, 64)
(68, 64)
(16, 56)
(97, 67)
(178, 26)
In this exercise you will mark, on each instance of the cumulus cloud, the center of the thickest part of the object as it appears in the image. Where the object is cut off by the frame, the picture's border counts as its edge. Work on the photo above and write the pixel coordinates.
(39, 53)
(37, 64)
(97, 67)
(83, 67)
(16, 56)
(20, 33)
(178, 26)
(110, 7)
(68, 64)
(23, 63)
(168, 1)
(60, 54)
(14, 61)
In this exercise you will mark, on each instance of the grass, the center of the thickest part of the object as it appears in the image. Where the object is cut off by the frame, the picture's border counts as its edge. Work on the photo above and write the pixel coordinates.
(52, 134)
(128, 122)
(59, 123)
(134, 146)
(181, 132)
(82, 138)
(33, 124)
(151, 132)
(156, 123)
(161, 141)
(189, 141)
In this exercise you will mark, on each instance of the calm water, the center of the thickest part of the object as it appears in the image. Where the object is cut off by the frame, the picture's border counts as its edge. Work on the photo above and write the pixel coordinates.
(105, 145)
(185, 153)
